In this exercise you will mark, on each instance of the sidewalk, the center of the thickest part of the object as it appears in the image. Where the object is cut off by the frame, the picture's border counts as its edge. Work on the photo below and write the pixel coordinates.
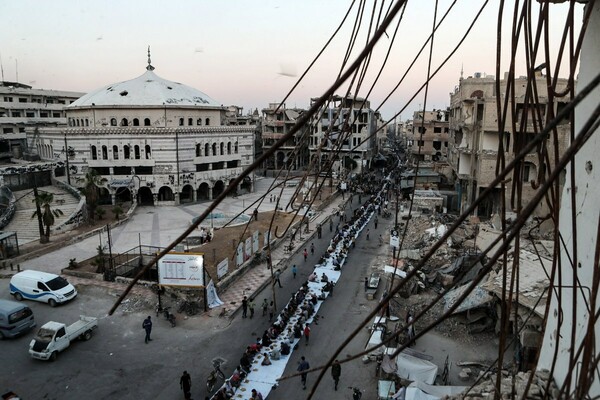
(257, 278)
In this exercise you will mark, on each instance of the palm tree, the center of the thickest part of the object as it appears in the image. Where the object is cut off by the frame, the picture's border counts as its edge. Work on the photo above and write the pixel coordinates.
(90, 189)
(44, 200)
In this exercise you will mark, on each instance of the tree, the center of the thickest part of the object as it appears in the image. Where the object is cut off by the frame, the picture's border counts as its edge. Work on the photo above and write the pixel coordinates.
(100, 212)
(91, 183)
(117, 211)
(44, 200)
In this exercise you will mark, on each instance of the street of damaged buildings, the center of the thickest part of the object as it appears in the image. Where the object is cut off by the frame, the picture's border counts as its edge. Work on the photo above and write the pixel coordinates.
(461, 352)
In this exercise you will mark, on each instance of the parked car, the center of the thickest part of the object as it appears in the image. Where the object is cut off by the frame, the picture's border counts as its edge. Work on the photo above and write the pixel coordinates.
(15, 318)
(54, 337)
(41, 286)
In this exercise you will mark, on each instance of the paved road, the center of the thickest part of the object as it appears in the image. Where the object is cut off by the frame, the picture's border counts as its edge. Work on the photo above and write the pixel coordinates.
(117, 363)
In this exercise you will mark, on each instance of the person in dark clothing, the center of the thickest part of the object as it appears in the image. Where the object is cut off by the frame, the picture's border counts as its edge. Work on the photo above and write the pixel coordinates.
(336, 371)
(186, 385)
(244, 307)
(147, 325)
(304, 365)
(245, 362)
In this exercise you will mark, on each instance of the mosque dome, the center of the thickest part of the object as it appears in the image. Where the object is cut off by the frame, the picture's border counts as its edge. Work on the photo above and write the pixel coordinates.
(147, 90)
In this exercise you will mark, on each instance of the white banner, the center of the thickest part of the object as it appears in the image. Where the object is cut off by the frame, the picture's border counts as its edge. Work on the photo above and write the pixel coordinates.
(211, 296)
(255, 242)
(222, 268)
(181, 269)
(239, 255)
(248, 249)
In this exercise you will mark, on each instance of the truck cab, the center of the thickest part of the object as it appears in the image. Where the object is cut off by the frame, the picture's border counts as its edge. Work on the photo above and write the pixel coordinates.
(54, 337)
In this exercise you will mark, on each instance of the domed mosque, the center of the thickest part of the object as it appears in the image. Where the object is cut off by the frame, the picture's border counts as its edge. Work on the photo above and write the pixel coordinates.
(150, 140)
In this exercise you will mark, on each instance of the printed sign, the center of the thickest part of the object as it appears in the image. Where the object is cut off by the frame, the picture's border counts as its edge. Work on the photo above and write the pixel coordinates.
(181, 269)
(222, 268)
(248, 252)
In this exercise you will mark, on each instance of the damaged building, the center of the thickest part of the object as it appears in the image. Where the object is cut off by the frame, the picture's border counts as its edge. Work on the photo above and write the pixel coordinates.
(277, 121)
(474, 137)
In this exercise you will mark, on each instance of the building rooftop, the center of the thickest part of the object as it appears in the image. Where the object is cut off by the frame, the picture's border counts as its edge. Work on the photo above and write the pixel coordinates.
(147, 89)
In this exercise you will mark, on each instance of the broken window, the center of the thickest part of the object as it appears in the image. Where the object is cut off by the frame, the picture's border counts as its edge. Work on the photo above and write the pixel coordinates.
(207, 121)
(180, 121)
(190, 121)
(113, 122)
(148, 154)
(437, 144)
(104, 153)
(115, 152)
(146, 121)
(136, 122)
(136, 152)
(437, 129)
(124, 122)
(94, 153)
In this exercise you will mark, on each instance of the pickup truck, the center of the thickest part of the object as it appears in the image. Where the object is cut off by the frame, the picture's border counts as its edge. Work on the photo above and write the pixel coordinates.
(54, 337)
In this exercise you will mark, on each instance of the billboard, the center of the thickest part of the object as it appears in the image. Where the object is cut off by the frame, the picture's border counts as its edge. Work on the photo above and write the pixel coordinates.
(181, 269)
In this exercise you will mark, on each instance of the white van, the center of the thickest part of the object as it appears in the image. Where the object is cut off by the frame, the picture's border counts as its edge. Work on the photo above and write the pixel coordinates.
(15, 319)
(41, 286)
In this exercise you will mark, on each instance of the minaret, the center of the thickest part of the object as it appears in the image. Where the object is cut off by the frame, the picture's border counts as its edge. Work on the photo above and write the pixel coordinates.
(149, 67)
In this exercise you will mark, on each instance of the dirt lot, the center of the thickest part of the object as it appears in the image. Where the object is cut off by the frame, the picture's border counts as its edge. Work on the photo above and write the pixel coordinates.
(226, 240)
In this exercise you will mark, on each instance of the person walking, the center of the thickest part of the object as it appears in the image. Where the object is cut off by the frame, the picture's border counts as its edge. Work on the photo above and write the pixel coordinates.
(294, 271)
(330, 225)
(265, 306)
(319, 231)
(147, 325)
(376, 222)
(271, 311)
(276, 275)
(368, 231)
(244, 307)
(304, 366)
(336, 372)
(305, 255)
(366, 283)
(312, 248)
(185, 382)
(306, 333)
(256, 214)
(251, 306)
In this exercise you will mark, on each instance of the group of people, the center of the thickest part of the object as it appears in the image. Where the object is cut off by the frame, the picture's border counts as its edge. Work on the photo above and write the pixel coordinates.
(302, 305)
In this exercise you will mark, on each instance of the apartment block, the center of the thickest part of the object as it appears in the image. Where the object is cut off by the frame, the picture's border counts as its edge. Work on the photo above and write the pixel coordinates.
(277, 121)
(21, 107)
(475, 137)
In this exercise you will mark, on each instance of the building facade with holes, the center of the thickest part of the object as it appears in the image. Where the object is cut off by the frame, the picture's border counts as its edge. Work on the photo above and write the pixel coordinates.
(278, 121)
(343, 135)
(474, 138)
(151, 140)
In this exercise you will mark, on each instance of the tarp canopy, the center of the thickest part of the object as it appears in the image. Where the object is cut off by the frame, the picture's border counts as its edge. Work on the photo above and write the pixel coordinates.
(415, 369)
(477, 298)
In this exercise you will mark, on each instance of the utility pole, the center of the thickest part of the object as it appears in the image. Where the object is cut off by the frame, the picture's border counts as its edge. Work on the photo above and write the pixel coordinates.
(38, 210)
(67, 160)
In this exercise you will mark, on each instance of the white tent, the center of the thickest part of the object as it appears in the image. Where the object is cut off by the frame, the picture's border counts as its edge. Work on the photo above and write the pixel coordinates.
(415, 369)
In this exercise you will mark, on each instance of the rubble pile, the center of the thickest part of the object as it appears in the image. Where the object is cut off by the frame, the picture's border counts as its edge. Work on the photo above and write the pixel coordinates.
(513, 387)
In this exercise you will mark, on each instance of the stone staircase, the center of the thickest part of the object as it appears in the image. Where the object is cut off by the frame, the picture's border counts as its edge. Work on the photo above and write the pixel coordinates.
(27, 227)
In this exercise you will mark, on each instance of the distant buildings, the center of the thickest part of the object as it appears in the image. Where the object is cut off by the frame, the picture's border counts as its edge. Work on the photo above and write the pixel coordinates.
(22, 107)
(346, 126)
(429, 140)
(277, 121)
(473, 150)
(152, 140)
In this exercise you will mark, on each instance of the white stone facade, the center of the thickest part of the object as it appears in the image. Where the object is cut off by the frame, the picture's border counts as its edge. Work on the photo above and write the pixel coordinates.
(171, 148)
